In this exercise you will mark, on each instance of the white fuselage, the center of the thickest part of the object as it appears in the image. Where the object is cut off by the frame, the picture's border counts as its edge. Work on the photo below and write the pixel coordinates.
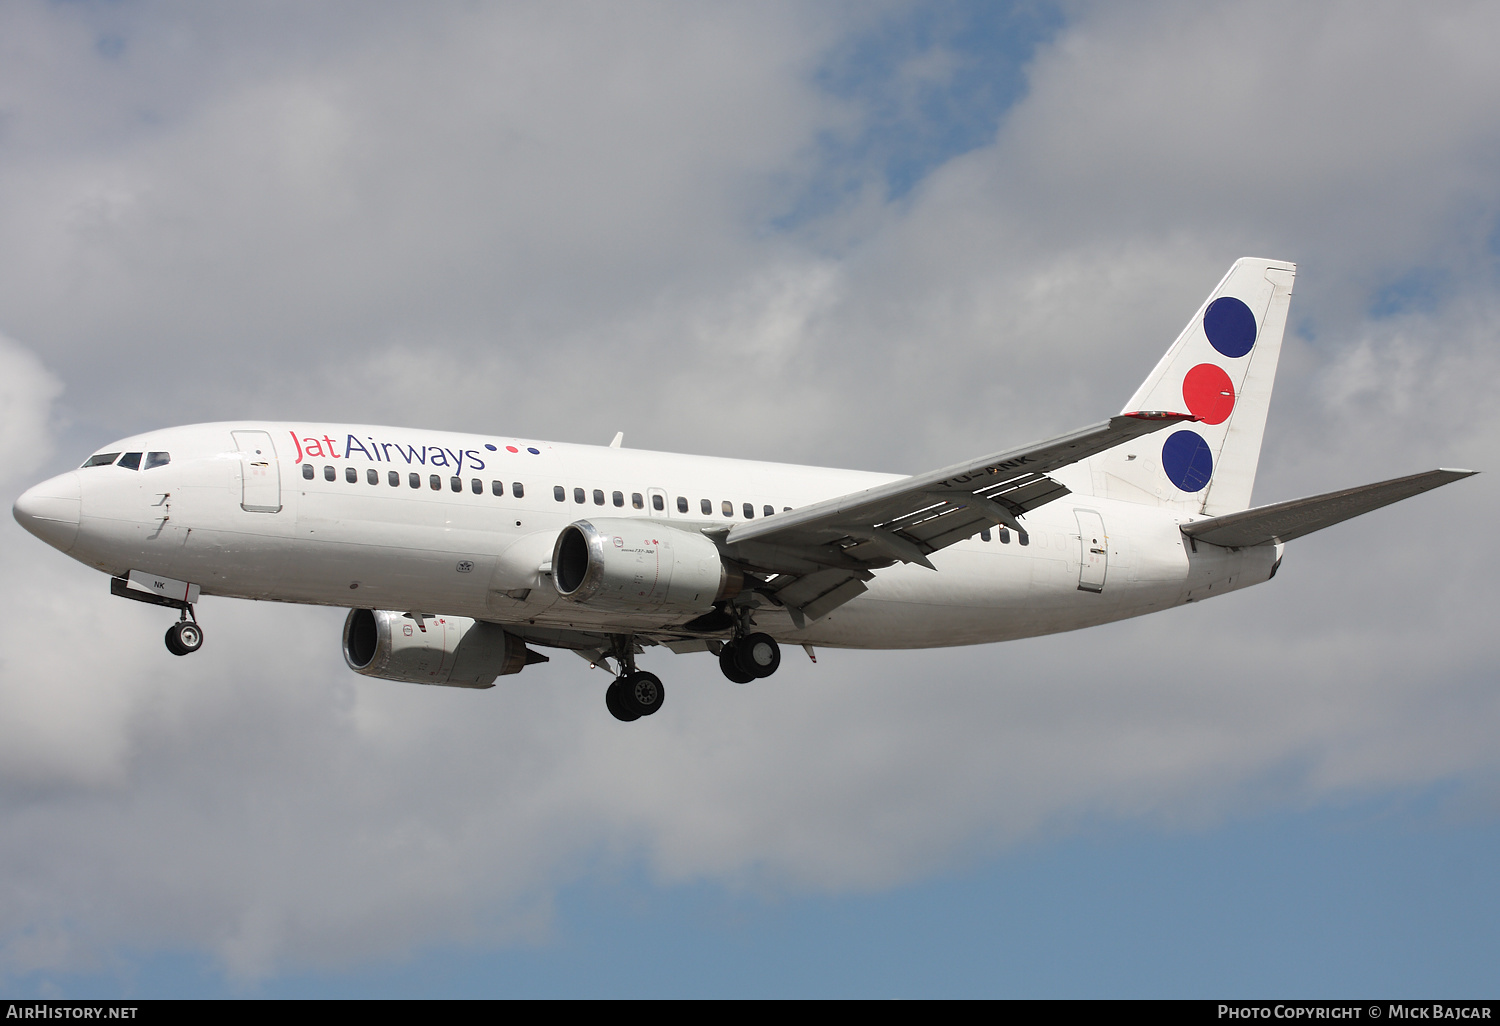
(256, 527)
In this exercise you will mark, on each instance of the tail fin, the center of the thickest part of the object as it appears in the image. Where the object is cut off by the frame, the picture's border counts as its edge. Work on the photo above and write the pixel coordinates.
(1220, 369)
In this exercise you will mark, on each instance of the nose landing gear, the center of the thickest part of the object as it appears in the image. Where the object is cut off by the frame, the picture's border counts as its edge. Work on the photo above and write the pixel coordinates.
(185, 636)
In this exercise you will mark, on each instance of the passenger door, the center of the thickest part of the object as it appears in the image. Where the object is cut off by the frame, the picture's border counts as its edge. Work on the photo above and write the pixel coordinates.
(1093, 563)
(260, 474)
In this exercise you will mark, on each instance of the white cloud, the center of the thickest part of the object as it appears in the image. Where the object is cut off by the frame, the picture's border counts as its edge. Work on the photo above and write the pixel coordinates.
(27, 391)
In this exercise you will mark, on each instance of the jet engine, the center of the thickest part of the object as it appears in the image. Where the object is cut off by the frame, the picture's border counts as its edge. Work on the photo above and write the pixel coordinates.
(451, 650)
(641, 566)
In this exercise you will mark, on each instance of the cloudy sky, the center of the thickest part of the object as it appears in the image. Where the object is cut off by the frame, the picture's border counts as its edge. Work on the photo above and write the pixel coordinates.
(887, 236)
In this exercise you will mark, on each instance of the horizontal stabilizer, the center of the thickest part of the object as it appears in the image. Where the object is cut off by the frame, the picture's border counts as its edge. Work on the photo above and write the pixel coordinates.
(1283, 521)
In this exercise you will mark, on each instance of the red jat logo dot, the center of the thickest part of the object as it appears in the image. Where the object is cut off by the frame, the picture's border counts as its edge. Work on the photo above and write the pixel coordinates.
(511, 448)
(1209, 393)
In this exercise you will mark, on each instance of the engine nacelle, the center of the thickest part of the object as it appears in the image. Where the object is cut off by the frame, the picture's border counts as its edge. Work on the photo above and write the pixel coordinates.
(451, 650)
(641, 566)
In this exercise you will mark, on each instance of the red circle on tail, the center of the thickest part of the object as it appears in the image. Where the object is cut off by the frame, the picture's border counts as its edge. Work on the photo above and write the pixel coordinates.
(1209, 393)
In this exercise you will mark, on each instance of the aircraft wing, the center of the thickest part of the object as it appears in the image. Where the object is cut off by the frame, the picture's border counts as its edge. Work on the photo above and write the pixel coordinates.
(821, 555)
(1283, 521)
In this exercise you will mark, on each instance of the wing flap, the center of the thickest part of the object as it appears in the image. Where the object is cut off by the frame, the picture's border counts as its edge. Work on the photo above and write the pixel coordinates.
(930, 511)
(1284, 521)
(813, 596)
(822, 555)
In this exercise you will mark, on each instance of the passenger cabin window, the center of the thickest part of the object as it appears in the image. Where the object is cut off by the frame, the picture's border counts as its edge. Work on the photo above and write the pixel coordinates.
(727, 507)
(984, 535)
(1004, 536)
(102, 459)
(1025, 538)
(497, 488)
(517, 490)
(456, 483)
(351, 475)
(414, 479)
(557, 493)
(393, 478)
(618, 498)
(307, 471)
(130, 461)
(658, 502)
(598, 496)
(749, 511)
(578, 495)
(707, 507)
(768, 510)
(477, 486)
(682, 503)
(329, 474)
(157, 459)
(373, 476)
(435, 482)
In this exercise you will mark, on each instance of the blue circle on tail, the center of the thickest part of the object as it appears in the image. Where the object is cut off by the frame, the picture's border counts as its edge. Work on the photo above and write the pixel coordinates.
(1187, 460)
(1230, 326)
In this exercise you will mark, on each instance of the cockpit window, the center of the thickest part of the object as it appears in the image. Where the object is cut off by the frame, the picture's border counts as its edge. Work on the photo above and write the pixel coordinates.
(103, 459)
(130, 461)
(157, 459)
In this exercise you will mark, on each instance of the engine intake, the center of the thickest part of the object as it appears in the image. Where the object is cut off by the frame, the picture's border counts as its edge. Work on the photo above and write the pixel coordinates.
(450, 650)
(641, 566)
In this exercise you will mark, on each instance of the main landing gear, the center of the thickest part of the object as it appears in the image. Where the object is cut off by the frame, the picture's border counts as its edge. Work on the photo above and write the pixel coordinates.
(185, 636)
(750, 657)
(634, 693)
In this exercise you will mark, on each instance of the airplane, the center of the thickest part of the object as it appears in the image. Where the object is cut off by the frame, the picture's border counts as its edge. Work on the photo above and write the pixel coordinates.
(460, 555)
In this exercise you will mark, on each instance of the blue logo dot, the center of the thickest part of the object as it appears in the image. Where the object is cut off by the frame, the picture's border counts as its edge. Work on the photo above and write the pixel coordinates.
(1187, 460)
(490, 447)
(534, 452)
(1230, 326)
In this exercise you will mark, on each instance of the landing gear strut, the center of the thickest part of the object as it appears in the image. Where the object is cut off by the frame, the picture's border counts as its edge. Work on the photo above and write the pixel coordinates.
(634, 693)
(185, 636)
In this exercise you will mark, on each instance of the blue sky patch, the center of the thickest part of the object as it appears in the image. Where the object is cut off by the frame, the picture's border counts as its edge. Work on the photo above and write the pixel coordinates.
(934, 83)
(1420, 290)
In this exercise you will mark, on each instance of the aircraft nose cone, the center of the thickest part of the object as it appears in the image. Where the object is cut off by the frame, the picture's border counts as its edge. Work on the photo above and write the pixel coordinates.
(51, 510)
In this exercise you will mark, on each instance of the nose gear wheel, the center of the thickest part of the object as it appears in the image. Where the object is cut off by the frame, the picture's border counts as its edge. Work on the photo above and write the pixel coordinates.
(184, 637)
